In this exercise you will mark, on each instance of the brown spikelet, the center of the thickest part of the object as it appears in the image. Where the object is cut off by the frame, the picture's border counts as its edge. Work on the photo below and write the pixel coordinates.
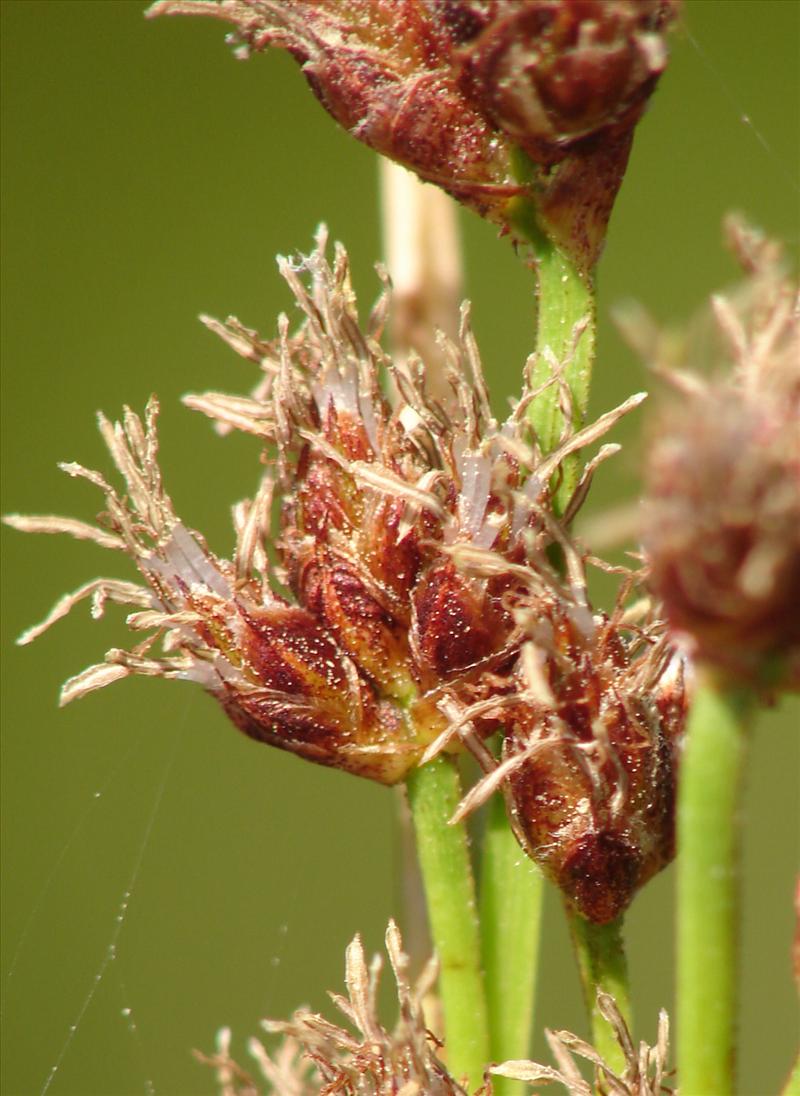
(411, 531)
(458, 90)
(723, 503)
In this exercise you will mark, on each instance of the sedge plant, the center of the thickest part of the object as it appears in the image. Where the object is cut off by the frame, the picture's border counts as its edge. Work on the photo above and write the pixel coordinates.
(423, 599)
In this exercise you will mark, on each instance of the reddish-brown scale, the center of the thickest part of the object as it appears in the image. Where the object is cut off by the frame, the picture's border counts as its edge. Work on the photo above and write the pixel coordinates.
(599, 862)
(670, 703)
(544, 794)
(317, 503)
(659, 791)
(334, 592)
(394, 564)
(376, 745)
(289, 651)
(462, 20)
(346, 433)
(576, 707)
(361, 588)
(423, 122)
(302, 699)
(327, 497)
(416, 126)
(287, 728)
(600, 874)
(452, 624)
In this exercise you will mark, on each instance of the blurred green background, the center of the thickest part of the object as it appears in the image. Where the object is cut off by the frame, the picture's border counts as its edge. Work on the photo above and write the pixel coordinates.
(149, 176)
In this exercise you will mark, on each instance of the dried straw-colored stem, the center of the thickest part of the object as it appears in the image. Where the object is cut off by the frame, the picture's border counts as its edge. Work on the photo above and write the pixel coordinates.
(423, 255)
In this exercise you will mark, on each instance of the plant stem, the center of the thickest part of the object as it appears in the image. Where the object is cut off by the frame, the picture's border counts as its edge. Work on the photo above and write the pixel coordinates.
(708, 848)
(565, 334)
(423, 255)
(566, 320)
(564, 299)
(410, 893)
(600, 951)
(792, 1086)
(511, 904)
(422, 248)
(433, 793)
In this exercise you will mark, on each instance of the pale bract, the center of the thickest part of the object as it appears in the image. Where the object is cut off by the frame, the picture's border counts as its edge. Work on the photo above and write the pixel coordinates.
(645, 1070)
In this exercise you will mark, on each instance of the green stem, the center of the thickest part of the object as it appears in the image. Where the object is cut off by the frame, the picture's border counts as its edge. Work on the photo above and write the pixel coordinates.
(600, 951)
(708, 847)
(792, 1086)
(565, 297)
(433, 793)
(511, 905)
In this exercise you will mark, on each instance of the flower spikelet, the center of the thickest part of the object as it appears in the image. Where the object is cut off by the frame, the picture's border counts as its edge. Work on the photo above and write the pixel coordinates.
(376, 494)
(722, 517)
(278, 674)
(595, 800)
(387, 500)
(384, 70)
(566, 82)
(593, 711)
(391, 506)
(645, 1067)
(423, 536)
(457, 89)
(364, 1059)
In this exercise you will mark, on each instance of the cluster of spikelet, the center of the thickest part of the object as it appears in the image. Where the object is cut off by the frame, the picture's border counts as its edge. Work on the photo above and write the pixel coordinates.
(473, 94)
(437, 596)
(424, 592)
(726, 563)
